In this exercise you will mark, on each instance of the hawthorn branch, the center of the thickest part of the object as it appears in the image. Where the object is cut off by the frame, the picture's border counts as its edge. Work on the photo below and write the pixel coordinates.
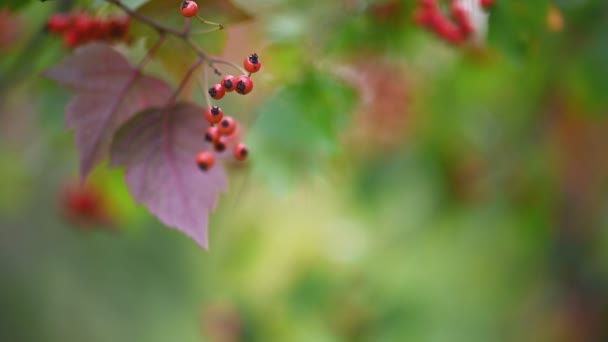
(185, 35)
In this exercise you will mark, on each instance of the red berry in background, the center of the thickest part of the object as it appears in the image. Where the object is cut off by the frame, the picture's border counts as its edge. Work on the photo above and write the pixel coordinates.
(462, 19)
(80, 23)
(229, 82)
(252, 63)
(95, 29)
(205, 160)
(59, 23)
(214, 114)
(486, 3)
(244, 85)
(212, 134)
(220, 144)
(428, 4)
(71, 38)
(226, 126)
(117, 28)
(84, 206)
(240, 151)
(188, 8)
(217, 91)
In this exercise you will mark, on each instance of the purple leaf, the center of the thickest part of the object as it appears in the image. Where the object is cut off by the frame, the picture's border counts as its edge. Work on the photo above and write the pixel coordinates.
(109, 92)
(158, 148)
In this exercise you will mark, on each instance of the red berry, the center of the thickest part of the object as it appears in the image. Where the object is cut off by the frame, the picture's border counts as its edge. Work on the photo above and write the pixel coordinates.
(428, 4)
(220, 144)
(71, 39)
(205, 160)
(486, 3)
(217, 91)
(58, 23)
(228, 82)
(214, 114)
(188, 8)
(226, 126)
(244, 85)
(95, 29)
(240, 151)
(81, 23)
(212, 134)
(252, 63)
(119, 27)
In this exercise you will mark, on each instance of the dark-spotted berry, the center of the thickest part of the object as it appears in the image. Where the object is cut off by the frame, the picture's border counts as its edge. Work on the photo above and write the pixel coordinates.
(229, 82)
(214, 114)
(220, 144)
(244, 85)
(217, 91)
(188, 8)
(212, 134)
(205, 160)
(252, 63)
(240, 151)
(226, 126)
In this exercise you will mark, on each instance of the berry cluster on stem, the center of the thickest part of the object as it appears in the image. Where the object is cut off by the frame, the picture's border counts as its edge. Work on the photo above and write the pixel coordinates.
(79, 28)
(222, 131)
(455, 30)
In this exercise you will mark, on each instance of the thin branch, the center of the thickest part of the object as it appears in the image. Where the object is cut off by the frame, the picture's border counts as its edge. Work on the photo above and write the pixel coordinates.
(151, 22)
(184, 81)
(151, 52)
(221, 61)
(205, 86)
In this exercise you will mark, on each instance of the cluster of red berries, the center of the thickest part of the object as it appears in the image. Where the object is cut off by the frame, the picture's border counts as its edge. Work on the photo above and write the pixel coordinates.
(223, 129)
(429, 15)
(79, 28)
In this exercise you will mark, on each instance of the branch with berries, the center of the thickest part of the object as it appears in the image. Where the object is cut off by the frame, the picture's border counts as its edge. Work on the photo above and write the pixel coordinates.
(168, 145)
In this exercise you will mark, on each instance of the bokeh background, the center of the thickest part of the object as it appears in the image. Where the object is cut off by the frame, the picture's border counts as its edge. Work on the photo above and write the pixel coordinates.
(399, 188)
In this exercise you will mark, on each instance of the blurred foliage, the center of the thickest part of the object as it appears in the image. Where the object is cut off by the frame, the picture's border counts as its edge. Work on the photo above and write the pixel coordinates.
(482, 217)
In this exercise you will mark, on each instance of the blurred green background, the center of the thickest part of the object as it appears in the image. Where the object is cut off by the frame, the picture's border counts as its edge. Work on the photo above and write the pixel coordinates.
(399, 188)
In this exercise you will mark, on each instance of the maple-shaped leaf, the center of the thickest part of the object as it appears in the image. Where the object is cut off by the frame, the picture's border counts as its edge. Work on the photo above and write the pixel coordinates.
(109, 91)
(158, 149)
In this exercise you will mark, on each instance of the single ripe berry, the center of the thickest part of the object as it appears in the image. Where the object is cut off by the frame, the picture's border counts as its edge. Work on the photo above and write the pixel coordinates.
(240, 151)
(214, 114)
(217, 91)
(205, 160)
(81, 24)
(226, 126)
(228, 82)
(71, 38)
(188, 8)
(252, 63)
(244, 85)
(486, 3)
(220, 144)
(119, 27)
(212, 134)
(58, 23)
